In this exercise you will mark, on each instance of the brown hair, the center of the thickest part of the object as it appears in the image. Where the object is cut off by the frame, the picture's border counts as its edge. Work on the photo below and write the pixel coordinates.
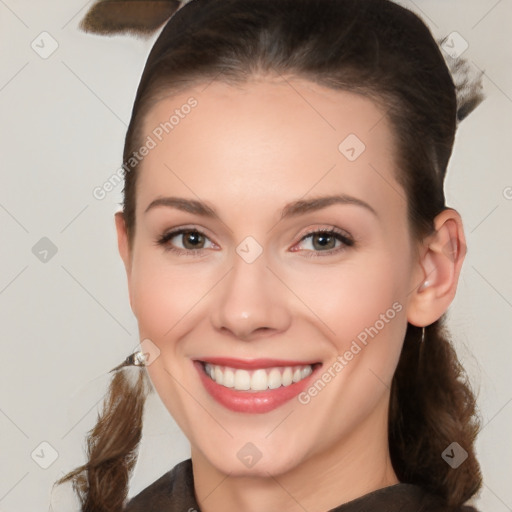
(102, 483)
(385, 52)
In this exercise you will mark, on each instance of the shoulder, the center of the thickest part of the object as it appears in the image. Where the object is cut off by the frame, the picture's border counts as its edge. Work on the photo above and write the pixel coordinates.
(398, 498)
(433, 503)
(174, 490)
(427, 502)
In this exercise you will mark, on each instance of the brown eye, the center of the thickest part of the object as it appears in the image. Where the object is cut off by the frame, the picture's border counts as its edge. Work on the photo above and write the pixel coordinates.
(193, 240)
(184, 241)
(323, 241)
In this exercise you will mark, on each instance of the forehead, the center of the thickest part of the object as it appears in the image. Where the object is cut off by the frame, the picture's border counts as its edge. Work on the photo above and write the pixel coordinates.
(266, 143)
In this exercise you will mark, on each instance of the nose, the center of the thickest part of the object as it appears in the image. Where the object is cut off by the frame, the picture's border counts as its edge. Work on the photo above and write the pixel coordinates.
(252, 302)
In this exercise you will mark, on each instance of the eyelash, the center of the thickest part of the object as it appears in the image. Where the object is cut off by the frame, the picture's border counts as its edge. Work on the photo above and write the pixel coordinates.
(164, 241)
(338, 234)
(343, 237)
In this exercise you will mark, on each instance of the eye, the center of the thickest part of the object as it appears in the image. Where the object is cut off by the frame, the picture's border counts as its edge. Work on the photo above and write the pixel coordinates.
(192, 241)
(325, 242)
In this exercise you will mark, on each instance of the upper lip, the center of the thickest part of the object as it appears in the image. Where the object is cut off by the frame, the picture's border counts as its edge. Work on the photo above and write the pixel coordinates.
(253, 363)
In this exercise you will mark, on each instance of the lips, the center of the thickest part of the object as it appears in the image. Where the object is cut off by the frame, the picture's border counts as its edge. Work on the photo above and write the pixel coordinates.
(256, 385)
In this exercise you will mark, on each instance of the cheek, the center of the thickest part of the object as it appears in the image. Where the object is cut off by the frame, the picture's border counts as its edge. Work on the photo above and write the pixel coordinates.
(155, 303)
(373, 322)
(353, 295)
(162, 294)
(363, 307)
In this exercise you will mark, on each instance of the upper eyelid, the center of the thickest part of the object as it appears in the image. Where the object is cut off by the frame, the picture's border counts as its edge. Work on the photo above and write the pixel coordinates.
(174, 232)
(341, 236)
(327, 229)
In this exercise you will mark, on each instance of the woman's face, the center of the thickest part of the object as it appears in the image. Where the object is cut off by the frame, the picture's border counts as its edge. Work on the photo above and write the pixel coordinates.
(251, 174)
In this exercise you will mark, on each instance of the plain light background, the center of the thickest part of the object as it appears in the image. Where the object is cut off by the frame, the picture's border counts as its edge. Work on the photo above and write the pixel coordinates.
(67, 321)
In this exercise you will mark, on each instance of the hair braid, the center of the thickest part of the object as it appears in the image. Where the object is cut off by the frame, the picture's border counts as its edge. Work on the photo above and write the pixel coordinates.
(102, 482)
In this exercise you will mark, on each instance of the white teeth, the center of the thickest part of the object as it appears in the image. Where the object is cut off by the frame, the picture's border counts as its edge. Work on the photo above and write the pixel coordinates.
(219, 376)
(259, 379)
(287, 376)
(306, 372)
(229, 378)
(274, 378)
(242, 380)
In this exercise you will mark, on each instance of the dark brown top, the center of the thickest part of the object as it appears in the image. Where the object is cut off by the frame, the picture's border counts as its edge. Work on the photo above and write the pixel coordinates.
(174, 491)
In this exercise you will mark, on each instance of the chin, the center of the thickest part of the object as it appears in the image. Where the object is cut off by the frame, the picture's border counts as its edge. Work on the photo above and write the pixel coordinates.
(248, 459)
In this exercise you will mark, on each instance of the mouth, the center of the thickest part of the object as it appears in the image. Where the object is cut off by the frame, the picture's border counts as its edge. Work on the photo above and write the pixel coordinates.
(254, 386)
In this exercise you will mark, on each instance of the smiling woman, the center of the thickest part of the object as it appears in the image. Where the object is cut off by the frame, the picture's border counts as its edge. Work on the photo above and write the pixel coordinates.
(289, 238)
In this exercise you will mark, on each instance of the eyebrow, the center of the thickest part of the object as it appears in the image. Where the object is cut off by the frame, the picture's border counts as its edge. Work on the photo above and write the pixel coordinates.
(306, 205)
(293, 209)
(186, 205)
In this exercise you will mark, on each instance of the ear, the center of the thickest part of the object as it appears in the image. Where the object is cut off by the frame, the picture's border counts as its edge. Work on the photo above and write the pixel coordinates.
(122, 241)
(439, 265)
(124, 248)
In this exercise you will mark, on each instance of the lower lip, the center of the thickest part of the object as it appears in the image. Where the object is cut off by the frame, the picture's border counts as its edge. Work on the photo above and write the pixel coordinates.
(255, 402)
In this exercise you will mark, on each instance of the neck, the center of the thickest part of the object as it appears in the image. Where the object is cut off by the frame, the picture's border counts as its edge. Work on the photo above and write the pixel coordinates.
(358, 464)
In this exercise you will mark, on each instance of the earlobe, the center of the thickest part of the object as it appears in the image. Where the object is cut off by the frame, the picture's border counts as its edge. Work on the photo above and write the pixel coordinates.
(440, 263)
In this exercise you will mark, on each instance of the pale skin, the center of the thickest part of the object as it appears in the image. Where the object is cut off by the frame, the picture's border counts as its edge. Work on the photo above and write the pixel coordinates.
(247, 153)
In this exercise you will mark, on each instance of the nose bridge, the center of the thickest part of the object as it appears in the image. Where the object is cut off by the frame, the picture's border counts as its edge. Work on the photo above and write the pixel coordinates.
(251, 300)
